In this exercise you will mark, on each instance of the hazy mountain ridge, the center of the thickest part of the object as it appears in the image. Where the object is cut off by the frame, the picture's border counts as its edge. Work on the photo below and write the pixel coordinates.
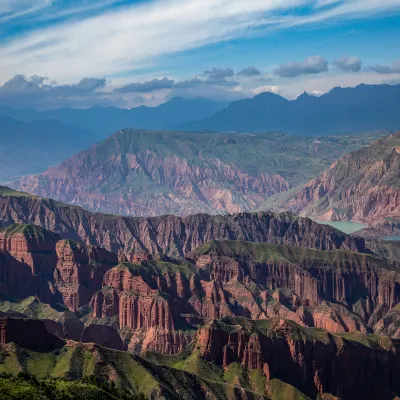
(139, 172)
(103, 121)
(341, 110)
(28, 148)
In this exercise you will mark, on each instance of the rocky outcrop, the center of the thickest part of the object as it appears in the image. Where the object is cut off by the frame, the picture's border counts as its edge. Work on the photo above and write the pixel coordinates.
(27, 333)
(103, 335)
(361, 186)
(30, 245)
(338, 276)
(347, 366)
(34, 262)
(170, 234)
(79, 271)
(158, 299)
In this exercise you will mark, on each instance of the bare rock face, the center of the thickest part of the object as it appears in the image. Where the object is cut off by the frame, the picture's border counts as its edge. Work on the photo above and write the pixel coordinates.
(27, 261)
(361, 186)
(79, 271)
(159, 300)
(103, 335)
(30, 245)
(170, 234)
(27, 333)
(348, 366)
(338, 276)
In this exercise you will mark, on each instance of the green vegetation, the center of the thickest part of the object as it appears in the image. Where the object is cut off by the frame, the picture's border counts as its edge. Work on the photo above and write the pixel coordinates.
(25, 386)
(263, 252)
(283, 391)
(32, 308)
(296, 158)
(150, 268)
(6, 191)
(31, 232)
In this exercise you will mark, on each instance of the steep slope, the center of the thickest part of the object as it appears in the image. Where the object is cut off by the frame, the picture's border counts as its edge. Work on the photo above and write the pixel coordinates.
(105, 120)
(342, 110)
(76, 361)
(233, 358)
(157, 305)
(28, 148)
(138, 172)
(168, 234)
(362, 186)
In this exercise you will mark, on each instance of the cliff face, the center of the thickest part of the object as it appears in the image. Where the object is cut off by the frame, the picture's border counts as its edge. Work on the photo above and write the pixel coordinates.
(170, 234)
(361, 186)
(79, 272)
(161, 303)
(346, 366)
(35, 262)
(30, 245)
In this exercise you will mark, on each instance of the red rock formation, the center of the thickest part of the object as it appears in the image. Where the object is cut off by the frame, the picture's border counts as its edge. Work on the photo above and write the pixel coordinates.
(361, 186)
(169, 234)
(253, 280)
(341, 366)
(30, 245)
(184, 187)
(27, 333)
(79, 272)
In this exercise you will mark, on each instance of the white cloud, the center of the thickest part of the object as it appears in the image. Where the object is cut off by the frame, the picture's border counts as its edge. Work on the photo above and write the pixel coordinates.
(125, 40)
(267, 88)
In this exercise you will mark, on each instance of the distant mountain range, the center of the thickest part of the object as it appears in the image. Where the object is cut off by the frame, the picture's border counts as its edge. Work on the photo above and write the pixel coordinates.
(342, 110)
(27, 148)
(142, 172)
(106, 120)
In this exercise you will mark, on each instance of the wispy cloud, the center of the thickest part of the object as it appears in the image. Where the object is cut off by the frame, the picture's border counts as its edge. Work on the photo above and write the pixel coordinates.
(126, 39)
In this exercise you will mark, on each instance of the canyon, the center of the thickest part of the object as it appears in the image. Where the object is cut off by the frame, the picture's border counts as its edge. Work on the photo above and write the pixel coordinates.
(238, 306)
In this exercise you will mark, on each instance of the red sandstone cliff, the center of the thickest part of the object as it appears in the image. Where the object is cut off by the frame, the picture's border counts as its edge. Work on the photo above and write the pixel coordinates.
(158, 301)
(79, 272)
(170, 234)
(361, 186)
(316, 363)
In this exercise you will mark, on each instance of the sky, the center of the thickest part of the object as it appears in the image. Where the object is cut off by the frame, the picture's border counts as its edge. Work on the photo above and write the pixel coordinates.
(126, 53)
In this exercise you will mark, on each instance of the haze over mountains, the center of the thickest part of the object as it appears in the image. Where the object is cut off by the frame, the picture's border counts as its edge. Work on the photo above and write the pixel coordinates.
(103, 121)
(140, 172)
(342, 110)
(32, 147)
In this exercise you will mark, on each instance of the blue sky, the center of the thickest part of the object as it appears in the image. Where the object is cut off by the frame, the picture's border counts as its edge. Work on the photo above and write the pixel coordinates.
(127, 53)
